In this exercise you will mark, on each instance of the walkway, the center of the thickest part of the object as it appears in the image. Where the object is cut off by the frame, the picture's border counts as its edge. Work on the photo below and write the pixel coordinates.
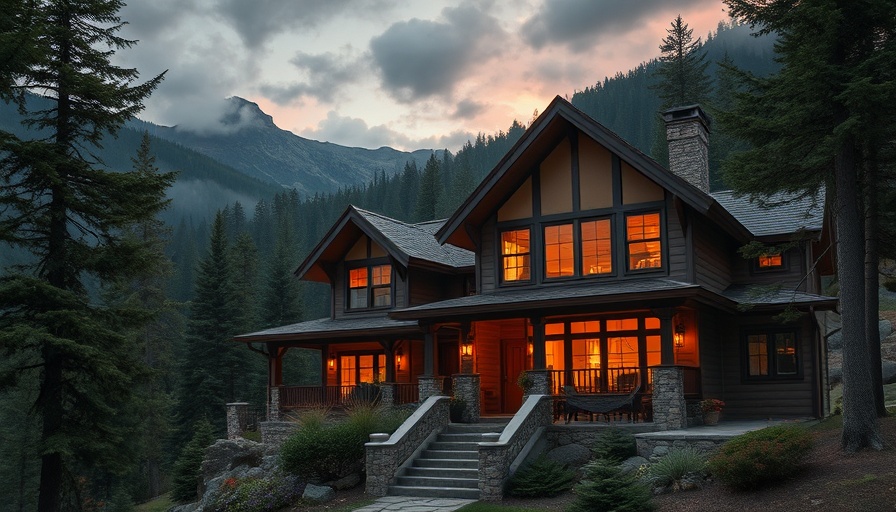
(412, 504)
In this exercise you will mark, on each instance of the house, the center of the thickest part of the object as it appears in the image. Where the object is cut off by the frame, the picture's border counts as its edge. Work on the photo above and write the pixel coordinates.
(584, 262)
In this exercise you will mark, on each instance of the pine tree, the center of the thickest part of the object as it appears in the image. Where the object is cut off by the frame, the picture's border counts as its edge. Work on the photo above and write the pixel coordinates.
(682, 77)
(430, 190)
(818, 119)
(60, 205)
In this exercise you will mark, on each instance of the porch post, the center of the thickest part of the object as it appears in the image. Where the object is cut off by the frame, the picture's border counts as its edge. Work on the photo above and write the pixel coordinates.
(669, 407)
(539, 358)
(275, 380)
(324, 365)
(428, 383)
(388, 346)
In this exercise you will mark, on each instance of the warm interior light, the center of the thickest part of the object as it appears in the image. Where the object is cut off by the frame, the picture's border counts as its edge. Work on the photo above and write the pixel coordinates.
(530, 348)
(679, 335)
(466, 349)
(332, 363)
(398, 355)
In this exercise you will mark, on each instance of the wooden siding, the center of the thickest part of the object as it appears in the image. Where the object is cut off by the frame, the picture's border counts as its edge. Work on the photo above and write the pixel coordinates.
(711, 367)
(677, 246)
(712, 256)
(790, 276)
(774, 398)
(488, 264)
(429, 287)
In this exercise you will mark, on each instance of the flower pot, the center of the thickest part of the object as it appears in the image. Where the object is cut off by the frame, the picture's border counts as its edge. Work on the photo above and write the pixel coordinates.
(710, 417)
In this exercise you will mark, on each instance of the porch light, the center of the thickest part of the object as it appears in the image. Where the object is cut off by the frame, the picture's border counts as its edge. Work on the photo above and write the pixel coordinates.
(332, 363)
(466, 348)
(398, 355)
(679, 335)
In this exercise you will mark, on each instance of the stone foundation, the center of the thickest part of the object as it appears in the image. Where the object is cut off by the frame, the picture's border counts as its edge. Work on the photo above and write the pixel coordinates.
(653, 448)
(669, 407)
(274, 405)
(273, 433)
(237, 413)
(541, 383)
(466, 388)
(429, 386)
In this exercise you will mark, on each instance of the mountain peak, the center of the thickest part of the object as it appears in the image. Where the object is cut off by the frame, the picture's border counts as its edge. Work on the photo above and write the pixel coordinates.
(244, 113)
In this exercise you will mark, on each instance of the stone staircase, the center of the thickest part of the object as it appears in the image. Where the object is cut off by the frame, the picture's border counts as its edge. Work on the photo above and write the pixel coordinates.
(449, 466)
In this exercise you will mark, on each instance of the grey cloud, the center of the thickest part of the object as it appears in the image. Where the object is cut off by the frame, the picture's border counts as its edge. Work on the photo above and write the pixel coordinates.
(467, 109)
(577, 24)
(257, 21)
(326, 73)
(356, 132)
(422, 58)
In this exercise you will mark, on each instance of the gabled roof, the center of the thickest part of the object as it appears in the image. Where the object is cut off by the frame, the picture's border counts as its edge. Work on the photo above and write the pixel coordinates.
(408, 244)
(777, 215)
(328, 328)
(539, 139)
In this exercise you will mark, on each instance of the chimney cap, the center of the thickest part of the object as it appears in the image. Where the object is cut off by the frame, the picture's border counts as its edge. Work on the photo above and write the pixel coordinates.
(686, 113)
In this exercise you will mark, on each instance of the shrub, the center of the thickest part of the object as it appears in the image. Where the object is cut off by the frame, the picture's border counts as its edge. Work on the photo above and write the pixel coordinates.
(615, 445)
(762, 456)
(606, 488)
(543, 477)
(188, 467)
(676, 464)
(258, 494)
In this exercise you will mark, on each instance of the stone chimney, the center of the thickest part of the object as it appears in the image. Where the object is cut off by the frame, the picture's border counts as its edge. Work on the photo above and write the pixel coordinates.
(687, 131)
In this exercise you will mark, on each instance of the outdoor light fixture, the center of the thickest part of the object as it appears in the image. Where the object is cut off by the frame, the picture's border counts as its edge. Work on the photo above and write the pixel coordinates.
(679, 335)
(398, 354)
(466, 348)
(332, 363)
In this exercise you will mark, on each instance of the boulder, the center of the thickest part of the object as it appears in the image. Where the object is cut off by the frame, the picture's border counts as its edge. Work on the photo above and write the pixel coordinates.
(632, 464)
(835, 340)
(573, 455)
(227, 454)
(888, 371)
(318, 493)
(347, 482)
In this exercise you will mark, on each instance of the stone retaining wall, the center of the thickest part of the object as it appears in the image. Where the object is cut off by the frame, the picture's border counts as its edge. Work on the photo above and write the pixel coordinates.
(385, 454)
(652, 448)
(273, 433)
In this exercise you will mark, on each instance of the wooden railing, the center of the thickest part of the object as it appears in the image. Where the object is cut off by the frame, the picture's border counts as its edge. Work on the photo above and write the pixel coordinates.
(617, 380)
(292, 397)
(407, 393)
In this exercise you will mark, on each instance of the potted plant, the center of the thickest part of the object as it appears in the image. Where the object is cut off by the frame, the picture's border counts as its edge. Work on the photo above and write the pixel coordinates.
(524, 381)
(711, 408)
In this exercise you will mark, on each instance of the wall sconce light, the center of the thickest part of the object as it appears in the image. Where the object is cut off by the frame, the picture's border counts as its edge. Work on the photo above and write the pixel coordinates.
(530, 348)
(398, 356)
(466, 348)
(332, 363)
(679, 335)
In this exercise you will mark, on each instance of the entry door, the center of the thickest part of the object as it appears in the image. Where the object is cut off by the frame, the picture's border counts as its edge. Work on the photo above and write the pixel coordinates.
(514, 364)
(448, 362)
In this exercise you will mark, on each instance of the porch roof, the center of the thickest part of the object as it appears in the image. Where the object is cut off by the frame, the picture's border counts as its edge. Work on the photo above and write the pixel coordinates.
(330, 328)
(773, 296)
(552, 297)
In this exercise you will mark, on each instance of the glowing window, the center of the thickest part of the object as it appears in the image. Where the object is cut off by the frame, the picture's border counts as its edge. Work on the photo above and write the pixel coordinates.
(625, 324)
(772, 355)
(370, 287)
(644, 247)
(757, 352)
(515, 252)
(558, 250)
(596, 247)
(771, 261)
(579, 327)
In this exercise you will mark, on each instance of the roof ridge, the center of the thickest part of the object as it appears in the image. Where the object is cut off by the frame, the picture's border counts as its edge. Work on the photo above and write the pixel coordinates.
(380, 215)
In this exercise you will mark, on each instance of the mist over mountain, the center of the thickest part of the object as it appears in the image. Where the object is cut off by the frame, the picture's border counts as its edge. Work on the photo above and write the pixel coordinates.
(249, 141)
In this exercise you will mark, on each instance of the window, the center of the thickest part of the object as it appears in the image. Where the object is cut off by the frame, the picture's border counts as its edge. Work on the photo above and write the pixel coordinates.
(772, 355)
(597, 255)
(643, 244)
(515, 252)
(770, 261)
(558, 250)
(370, 287)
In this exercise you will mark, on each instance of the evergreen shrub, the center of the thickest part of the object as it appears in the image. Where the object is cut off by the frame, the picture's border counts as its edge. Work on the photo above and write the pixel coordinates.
(605, 487)
(543, 477)
(760, 457)
(615, 444)
(188, 467)
(673, 466)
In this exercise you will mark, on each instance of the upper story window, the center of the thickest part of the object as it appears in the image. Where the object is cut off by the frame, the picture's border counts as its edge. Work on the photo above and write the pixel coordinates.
(770, 261)
(563, 242)
(597, 249)
(515, 255)
(370, 287)
(772, 355)
(558, 251)
(643, 242)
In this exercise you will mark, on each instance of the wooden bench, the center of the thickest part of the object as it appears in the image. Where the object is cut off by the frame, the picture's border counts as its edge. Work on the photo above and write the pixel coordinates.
(601, 403)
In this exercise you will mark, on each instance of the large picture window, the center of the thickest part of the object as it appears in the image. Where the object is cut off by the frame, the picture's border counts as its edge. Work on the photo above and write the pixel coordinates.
(515, 255)
(772, 355)
(597, 253)
(370, 287)
(591, 238)
(558, 251)
(643, 241)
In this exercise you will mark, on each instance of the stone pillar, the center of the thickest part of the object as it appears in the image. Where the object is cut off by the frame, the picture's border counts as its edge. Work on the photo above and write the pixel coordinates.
(237, 413)
(429, 386)
(669, 407)
(274, 405)
(387, 394)
(466, 388)
(541, 383)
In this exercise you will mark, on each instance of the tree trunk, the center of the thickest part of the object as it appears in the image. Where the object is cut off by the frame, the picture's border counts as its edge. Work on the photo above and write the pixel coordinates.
(860, 427)
(50, 491)
(872, 280)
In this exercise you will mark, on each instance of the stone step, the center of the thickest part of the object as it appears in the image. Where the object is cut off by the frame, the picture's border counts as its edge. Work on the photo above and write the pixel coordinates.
(442, 472)
(447, 463)
(451, 454)
(452, 446)
(428, 481)
(470, 428)
(459, 438)
(434, 492)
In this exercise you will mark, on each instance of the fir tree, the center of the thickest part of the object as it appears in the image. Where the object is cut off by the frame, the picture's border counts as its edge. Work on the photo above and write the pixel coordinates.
(69, 213)
(430, 189)
(682, 76)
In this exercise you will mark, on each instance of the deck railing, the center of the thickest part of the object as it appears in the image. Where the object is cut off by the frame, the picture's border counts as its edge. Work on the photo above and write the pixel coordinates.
(292, 397)
(617, 380)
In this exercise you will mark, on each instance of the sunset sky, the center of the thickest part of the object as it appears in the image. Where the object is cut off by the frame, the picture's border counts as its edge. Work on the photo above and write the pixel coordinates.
(406, 74)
